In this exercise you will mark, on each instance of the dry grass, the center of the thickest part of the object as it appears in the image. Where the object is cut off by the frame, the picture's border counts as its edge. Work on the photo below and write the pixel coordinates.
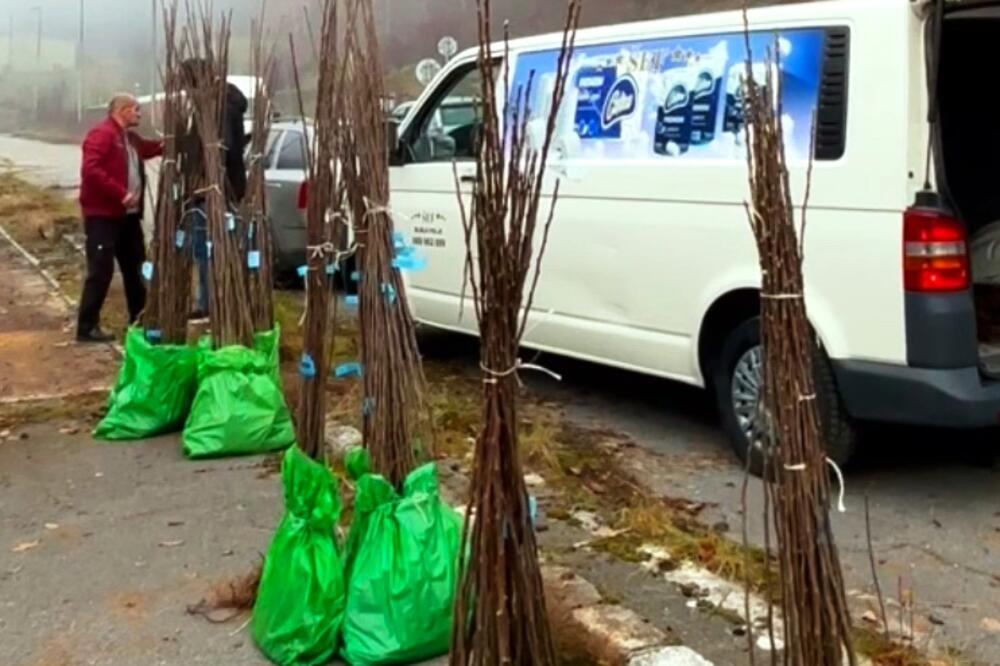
(41, 219)
(229, 599)
(883, 652)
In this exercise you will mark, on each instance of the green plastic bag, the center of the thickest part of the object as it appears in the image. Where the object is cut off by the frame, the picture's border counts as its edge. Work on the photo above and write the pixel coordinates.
(154, 390)
(239, 408)
(267, 343)
(402, 569)
(300, 601)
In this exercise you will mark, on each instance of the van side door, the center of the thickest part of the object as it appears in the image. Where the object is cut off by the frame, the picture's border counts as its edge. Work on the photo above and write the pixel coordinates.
(438, 158)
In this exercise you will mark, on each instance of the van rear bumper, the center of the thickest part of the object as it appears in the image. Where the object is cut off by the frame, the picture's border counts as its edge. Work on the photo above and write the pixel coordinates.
(951, 398)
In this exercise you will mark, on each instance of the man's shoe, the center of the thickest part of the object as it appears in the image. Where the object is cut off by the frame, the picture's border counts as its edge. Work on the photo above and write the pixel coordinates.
(95, 335)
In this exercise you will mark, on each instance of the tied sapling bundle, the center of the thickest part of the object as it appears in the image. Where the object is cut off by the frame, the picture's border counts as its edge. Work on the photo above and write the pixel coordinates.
(322, 214)
(157, 381)
(500, 613)
(300, 604)
(816, 619)
(239, 408)
(403, 550)
(260, 251)
(229, 298)
(392, 375)
(170, 288)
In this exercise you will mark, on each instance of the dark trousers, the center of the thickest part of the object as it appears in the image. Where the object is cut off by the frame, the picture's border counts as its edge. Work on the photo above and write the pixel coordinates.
(108, 240)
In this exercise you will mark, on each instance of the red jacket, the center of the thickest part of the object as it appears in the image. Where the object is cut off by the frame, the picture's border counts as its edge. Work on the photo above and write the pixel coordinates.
(104, 170)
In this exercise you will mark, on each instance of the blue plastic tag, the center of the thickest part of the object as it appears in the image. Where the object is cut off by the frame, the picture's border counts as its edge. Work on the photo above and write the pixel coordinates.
(302, 271)
(147, 271)
(356, 276)
(253, 259)
(179, 239)
(307, 367)
(352, 301)
(251, 228)
(154, 335)
(347, 370)
(413, 263)
(368, 406)
(230, 221)
(331, 269)
(533, 509)
(208, 249)
(177, 192)
(398, 240)
(389, 292)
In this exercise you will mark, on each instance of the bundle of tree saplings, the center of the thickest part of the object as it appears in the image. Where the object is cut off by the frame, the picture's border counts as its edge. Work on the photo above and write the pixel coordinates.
(500, 616)
(815, 619)
(402, 551)
(259, 248)
(239, 407)
(157, 381)
(300, 602)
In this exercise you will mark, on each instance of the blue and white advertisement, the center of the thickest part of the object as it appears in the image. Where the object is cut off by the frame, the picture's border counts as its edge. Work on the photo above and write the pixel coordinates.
(678, 98)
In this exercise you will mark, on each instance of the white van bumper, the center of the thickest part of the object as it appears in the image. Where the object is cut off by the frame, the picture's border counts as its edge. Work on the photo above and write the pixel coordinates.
(950, 398)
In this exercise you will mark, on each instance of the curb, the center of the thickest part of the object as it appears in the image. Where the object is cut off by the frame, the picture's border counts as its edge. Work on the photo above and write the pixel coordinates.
(606, 634)
(37, 265)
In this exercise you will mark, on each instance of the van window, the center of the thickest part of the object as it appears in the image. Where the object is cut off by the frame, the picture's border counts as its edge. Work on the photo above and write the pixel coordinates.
(679, 98)
(293, 152)
(447, 129)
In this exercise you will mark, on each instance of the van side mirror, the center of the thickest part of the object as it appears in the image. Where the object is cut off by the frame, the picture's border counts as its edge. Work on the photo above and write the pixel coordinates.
(396, 157)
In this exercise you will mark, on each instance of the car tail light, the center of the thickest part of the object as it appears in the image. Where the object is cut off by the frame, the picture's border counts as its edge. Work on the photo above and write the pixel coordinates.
(935, 252)
(304, 195)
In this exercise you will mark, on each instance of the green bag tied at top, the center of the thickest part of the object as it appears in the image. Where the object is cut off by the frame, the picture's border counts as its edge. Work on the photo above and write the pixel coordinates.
(153, 392)
(300, 601)
(402, 568)
(239, 408)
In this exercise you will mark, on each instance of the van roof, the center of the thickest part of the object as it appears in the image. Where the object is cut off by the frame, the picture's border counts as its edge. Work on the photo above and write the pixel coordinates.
(707, 22)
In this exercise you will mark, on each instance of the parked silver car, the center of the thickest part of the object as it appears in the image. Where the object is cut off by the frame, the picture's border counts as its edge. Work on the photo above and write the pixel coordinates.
(285, 164)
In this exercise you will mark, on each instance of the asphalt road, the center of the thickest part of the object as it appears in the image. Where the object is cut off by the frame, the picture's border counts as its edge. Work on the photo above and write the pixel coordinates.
(58, 165)
(934, 495)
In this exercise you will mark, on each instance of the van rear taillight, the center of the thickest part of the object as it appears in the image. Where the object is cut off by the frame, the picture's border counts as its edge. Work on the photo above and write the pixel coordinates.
(304, 195)
(935, 252)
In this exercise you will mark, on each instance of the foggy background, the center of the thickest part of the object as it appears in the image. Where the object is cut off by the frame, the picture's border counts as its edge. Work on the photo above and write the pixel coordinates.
(40, 47)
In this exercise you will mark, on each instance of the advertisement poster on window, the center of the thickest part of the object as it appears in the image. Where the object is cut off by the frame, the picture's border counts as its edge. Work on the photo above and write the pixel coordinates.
(672, 99)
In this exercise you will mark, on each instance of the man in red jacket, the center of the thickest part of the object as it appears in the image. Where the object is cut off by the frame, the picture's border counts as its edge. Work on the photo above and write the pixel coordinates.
(112, 188)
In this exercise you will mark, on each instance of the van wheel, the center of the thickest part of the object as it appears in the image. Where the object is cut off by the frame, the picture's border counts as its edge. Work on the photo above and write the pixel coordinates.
(738, 381)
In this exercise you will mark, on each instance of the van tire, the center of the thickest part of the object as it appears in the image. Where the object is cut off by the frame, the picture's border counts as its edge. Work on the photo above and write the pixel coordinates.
(839, 433)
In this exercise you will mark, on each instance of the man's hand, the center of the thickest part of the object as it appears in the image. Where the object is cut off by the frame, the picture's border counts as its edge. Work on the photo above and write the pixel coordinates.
(130, 200)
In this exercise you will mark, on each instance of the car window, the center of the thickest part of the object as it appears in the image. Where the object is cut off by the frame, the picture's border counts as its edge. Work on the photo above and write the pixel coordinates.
(293, 152)
(270, 151)
(448, 128)
(458, 115)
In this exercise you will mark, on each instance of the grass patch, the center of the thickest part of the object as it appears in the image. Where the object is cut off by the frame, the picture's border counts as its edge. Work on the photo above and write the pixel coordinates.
(589, 478)
(884, 652)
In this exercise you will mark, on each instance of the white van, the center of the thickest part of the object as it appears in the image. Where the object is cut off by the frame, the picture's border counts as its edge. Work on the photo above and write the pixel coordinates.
(651, 264)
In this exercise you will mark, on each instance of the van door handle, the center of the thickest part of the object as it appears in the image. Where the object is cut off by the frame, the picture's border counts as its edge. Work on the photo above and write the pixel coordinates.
(468, 178)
